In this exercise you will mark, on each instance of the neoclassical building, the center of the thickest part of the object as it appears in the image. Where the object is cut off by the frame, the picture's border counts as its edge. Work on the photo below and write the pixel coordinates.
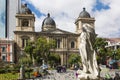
(67, 42)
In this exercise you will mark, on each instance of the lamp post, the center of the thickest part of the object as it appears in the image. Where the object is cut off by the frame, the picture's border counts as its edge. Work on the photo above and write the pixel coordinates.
(22, 73)
(114, 54)
(32, 57)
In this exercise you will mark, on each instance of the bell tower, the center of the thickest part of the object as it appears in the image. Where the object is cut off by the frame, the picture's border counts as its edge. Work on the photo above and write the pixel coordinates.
(84, 18)
(25, 19)
(24, 27)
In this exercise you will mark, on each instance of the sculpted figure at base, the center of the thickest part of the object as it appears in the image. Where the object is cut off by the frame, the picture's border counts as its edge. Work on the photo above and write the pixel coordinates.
(87, 52)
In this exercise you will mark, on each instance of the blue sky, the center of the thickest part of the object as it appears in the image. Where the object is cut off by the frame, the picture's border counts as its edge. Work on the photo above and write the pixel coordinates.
(99, 6)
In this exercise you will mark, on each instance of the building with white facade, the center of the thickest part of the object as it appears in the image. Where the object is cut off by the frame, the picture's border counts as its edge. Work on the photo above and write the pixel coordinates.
(113, 43)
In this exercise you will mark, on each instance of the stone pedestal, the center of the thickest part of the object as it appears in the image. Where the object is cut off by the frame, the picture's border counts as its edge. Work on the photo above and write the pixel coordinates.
(87, 76)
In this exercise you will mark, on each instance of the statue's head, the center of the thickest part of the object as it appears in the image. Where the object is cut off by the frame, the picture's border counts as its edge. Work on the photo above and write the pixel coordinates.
(88, 28)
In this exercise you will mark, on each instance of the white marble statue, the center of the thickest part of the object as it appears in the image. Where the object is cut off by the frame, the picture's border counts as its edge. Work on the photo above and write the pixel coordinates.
(87, 53)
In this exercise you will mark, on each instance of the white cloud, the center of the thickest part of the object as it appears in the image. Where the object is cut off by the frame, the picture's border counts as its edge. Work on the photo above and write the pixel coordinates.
(65, 12)
(108, 21)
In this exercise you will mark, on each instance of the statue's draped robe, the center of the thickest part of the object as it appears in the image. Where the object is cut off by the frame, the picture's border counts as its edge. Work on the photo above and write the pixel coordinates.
(88, 55)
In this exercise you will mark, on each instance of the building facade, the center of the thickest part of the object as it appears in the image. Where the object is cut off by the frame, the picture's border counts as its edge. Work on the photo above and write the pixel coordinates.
(113, 43)
(7, 50)
(67, 42)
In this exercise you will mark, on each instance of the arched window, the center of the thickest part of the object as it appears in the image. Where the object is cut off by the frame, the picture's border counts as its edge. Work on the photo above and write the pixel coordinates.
(72, 44)
(25, 22)
(24, 41)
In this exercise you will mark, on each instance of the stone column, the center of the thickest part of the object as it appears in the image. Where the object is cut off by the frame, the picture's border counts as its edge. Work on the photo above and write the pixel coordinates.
(65, 58)
(62, 58)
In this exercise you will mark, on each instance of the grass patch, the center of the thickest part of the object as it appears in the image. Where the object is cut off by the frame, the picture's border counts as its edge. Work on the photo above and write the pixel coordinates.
(9, 76)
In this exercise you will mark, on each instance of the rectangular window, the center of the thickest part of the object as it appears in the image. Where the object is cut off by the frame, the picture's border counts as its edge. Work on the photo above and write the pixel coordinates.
(3, 58)
(3, 49)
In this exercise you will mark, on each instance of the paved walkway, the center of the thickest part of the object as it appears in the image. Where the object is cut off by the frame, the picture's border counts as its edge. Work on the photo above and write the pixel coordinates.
(70, 74)
(109, 71)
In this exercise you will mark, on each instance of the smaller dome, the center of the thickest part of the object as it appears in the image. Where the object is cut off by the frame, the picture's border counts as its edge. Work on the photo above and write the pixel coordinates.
(84, 14)
(48, 21)
(25, 9)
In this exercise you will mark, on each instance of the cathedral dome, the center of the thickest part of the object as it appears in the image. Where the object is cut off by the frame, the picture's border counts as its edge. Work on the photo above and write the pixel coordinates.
(84, 14)
(48, 23)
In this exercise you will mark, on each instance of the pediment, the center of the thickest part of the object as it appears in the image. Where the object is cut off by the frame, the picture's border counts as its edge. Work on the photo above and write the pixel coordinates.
(59, 31)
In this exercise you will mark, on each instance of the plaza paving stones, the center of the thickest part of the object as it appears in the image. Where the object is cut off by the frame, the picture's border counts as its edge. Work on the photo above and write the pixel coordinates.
(70, 74)
(109, 71)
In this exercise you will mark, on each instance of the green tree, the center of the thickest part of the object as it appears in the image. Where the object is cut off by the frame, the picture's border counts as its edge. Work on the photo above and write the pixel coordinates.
(74, 59)
(99, 43)
(54, 59)
(25, 60)
(117, 55)
(42, 48)
(99, 46)
(29, 49)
